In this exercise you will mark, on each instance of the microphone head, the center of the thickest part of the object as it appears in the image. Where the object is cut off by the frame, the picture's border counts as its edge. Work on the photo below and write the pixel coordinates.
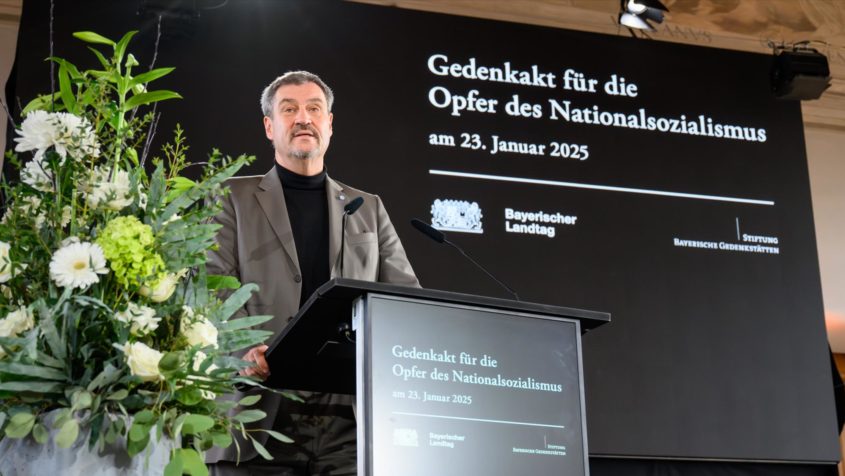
(428, 230)
(353, 206)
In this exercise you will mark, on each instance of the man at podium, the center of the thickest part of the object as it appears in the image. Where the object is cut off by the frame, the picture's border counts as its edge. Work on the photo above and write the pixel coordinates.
(282, 231)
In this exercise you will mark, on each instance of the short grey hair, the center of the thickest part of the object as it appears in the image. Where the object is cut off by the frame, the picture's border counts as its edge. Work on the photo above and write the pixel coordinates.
(297, 78)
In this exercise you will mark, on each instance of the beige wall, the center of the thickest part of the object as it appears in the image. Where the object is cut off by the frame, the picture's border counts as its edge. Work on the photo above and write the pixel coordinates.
(8, 40)
(826, 161)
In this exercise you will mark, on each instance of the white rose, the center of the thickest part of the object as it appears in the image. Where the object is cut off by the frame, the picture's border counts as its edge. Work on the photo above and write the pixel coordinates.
(22, 320)
(5, 262)
(199, 331)
(16, 322)
(142, 361)
(141, 319)
(161, 290)
(7, 328)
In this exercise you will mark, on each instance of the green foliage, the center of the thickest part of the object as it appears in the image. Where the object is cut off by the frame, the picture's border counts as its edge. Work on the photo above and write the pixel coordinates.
(102, 268)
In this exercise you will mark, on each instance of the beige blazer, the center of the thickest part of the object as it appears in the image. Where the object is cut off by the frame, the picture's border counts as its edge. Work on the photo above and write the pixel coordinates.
(256, 245)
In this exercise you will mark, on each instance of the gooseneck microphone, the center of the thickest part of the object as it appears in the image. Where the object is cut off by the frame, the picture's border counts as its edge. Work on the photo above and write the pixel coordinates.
(348, 209)
(440, 237)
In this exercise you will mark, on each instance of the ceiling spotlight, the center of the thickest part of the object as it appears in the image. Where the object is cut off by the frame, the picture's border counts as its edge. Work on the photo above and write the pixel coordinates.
(637, 13)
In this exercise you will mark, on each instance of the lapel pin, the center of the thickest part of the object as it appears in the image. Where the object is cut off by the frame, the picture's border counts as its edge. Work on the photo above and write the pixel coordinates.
(341, 197)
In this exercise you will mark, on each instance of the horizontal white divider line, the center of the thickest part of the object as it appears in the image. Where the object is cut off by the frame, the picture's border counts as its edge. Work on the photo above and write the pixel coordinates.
(555, 183)
(446, 417)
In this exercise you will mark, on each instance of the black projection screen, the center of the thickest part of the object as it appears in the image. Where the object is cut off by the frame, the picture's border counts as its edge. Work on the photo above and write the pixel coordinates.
(678, 201)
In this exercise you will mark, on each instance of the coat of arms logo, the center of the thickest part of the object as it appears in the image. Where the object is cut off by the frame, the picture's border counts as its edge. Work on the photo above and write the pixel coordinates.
(456, 215)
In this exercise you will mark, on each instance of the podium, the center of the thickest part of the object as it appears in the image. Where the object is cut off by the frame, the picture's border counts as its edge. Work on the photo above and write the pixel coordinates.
(445, 383)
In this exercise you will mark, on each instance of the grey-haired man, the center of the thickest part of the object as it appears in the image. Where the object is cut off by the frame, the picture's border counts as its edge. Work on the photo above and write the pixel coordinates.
(282, 231)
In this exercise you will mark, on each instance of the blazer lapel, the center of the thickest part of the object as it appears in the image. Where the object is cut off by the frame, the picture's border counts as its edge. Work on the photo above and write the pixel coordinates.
(336, 200)
(271, 198)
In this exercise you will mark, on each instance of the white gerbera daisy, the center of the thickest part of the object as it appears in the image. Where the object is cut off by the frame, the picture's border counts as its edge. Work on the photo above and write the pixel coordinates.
(77, 265)
(141, 318)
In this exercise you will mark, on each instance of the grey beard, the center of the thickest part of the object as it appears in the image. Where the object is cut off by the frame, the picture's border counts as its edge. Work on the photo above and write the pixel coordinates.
(302, 154)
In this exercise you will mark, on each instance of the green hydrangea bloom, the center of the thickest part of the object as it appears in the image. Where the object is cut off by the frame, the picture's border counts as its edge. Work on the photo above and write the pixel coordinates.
(128, 246)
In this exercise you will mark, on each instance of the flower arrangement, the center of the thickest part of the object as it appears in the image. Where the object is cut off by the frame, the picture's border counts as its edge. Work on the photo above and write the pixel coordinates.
(109, 318)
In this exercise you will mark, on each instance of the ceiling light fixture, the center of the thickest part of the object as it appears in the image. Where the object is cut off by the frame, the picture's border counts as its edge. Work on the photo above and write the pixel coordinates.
(637, 14)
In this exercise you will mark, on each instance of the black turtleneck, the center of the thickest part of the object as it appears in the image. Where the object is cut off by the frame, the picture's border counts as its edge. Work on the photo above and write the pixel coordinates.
(308, 211)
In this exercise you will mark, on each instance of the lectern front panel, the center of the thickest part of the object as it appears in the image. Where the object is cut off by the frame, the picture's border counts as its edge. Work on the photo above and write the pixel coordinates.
(461, 390)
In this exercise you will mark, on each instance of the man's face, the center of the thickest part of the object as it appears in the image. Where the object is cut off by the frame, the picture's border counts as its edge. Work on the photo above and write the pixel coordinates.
(300, 125)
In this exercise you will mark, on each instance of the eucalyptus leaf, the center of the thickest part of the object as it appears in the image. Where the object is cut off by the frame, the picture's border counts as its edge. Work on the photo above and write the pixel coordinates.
(136, 446)
(241, 339)
(20, 425)
(174, 467)
(189, 396)
(192, 463)
(195, 424)
(244, 322)
(237, 300)
(40, 433)
(118, 395)
(138, 431)
(81, 400)
(278, 436)
(111, 434)
(261, 450)
(249, 416)
(68, 433)
(249, 401)
(221, 439)
(144, 417)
